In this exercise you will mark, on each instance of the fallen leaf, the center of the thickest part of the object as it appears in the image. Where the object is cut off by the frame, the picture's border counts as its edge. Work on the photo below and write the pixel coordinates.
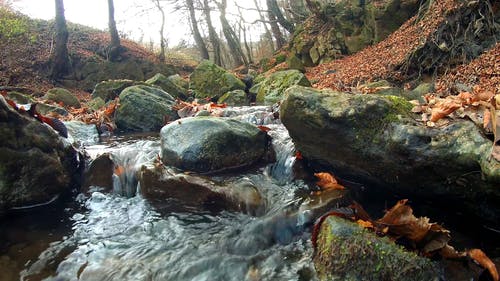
(365, 224)
(298, 155)
(443, 109)
(483, 260)
(264, 128)
(327, 181)
(119, 170)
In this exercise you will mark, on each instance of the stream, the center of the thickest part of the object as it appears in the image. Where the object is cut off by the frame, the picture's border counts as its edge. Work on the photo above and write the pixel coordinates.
(121, 236)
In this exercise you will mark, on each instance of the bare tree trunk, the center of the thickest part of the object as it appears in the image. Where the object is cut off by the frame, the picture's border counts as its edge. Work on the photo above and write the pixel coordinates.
(231, 38)
(114, 47)
(247, 46)
(273, 7)
(60, 58)
(267, 33)
(280, 40)
(162, 29)
(212, 34)
(196, 31)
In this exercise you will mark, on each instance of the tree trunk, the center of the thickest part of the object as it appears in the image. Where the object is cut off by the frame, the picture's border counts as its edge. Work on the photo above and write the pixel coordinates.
(212, 34)
(232, 40)
(162, 29)
(267, 33)
(114, 46)
(280, 40)
(196, 31)
(273, 7)
(60, 58)
(247, 46)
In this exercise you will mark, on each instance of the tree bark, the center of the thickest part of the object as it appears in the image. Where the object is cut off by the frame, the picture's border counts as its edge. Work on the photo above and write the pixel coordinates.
(114, 46)
(280, 40)
(267, 33)
(212, 34)
(273, 7)
(60, 59)
(232, 40)
(162, 29)
(196, 31)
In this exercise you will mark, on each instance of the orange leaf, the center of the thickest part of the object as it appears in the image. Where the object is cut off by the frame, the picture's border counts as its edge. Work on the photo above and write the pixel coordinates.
(327, 181)
(119, 170)
(365, 224)
(482, 259)
(298, 155)
(264, 128)
(443, 109)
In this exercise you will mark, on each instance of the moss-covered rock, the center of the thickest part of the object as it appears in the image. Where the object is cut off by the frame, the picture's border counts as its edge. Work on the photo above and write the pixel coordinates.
(234, 98)
(383, 87)
(271, 90)
(345, 251)
(19, 97)
(179, 81)
(210, 80)
(111, 89)
(144, 109)
(168, 86)
(295, 63)
(209, 144)
(376, 139)
(96, 103)
(47, 108)
(60, 95)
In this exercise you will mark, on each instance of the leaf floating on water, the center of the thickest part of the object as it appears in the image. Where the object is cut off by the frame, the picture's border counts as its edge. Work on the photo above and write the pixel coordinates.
(327, 181)
(264, 128)
(298, 155)
(483, 260)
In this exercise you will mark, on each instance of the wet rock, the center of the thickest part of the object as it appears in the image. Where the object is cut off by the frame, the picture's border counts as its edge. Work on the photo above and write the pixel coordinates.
(210, 144)
(211, 81)
(99, 174)
(376, 139)
(271, 90)
(345, 251)
(60, 95)
(159, 184)
(82, 133)
(111, 89)
(47, 108)
(234, 98)
(168, 86)
(144, 109)
(36, 165)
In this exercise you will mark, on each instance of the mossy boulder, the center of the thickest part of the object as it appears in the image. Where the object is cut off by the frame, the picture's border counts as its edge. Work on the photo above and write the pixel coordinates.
(144, 109)
(271, 90)
(210, 144)
(47, 108)
(37, 165)
(295, 63)
(96, 103)
(60, 95)
(179, 81)
(168, 86)
(19, 97)
(111, 89)
(346, 251)
(377, 139)
(210, 80)
(234, 98)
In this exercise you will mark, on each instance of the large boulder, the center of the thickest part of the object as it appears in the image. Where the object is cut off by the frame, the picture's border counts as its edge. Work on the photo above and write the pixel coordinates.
(210, 144)
(211, 81)
(271, 90)
(346, 251)
(60, 95)
(144, 109)
(36, 165)
(111, 89)
(168, 86)
(235, 98)
(378, 140)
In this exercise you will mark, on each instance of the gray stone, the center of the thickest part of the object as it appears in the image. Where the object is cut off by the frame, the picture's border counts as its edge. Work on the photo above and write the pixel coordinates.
(60, 95)
(272, 89)
(82, 133)
(168, 86)
(111, 89)
(234, 98)
(211, 81)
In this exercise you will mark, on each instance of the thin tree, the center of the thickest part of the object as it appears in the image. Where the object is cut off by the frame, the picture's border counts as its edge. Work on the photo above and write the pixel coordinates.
(280, 40)
(243, 29)
(196, 31)
(60, 63)
(114, 47)
(232, 40)
(267, 33)
(212, 34)
(162, 29)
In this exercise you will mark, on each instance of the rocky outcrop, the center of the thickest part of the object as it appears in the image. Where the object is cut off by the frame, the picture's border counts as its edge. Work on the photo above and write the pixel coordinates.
(210, 144)
(144, 109)
(271, 90)
(346, 251)
(377, 139)
(211, 81)
(168, 85)
(60, 95)
(159, 184)
(37, 165)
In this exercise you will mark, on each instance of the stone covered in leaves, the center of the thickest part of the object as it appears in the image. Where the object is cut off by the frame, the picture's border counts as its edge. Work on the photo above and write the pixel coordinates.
(168, 86)
(346, 251)
(60, 95)
(209, 144)
(377, 139)
(36, 165)
(144, 109)
(210, 80)
(271, 90)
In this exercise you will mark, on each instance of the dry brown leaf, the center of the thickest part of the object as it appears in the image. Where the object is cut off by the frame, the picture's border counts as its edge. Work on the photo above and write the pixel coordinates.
(327, 181)
(483, 260)
(365, 224)
(484, 96)
(443, 109)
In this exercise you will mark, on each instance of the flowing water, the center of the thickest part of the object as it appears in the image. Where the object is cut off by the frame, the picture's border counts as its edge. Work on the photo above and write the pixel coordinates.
(121, 236)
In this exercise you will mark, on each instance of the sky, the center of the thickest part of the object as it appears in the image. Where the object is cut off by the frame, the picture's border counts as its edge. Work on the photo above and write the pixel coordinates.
(128, 16)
